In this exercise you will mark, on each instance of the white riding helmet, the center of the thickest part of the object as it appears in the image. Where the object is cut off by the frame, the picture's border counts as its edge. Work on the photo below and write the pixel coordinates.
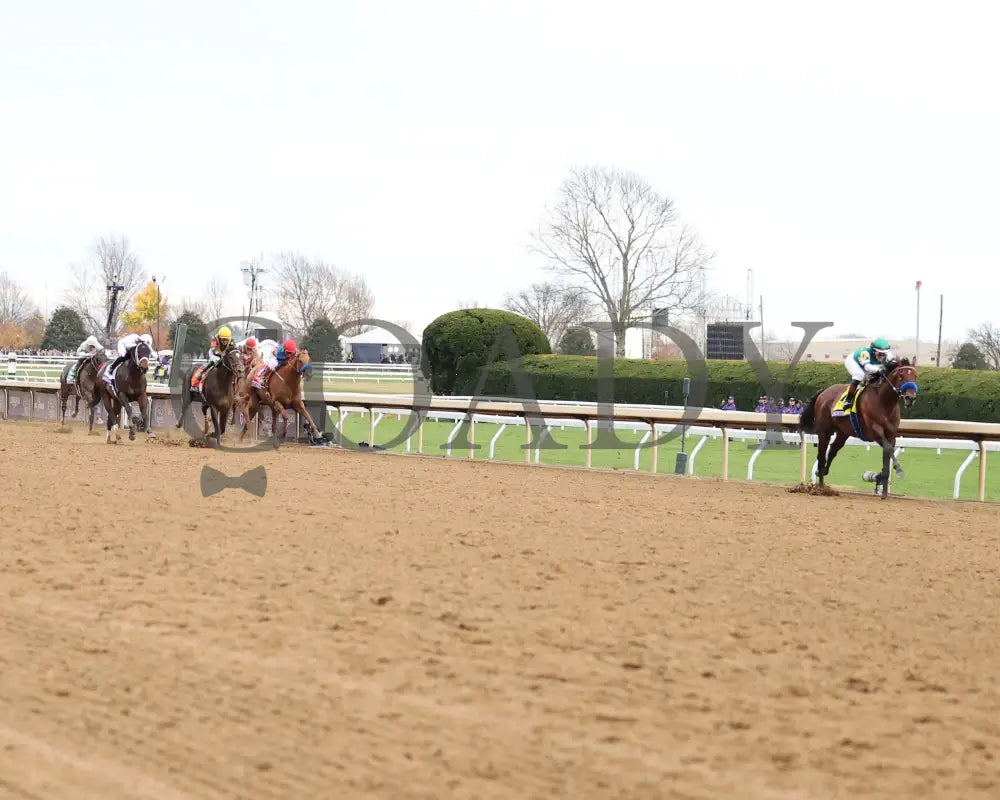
(146, 338)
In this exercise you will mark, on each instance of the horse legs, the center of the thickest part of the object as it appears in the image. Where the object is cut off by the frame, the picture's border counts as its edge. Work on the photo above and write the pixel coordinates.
(839, 440)
(276, 410)
(92, 409)
(300, 407)
(114, 415)
(145, 415)
(821, 448)
(76, 407)
(883, 477)
(250, 408)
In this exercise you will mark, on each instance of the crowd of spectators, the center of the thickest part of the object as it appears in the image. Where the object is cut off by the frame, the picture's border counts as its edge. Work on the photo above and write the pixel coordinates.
(767, 404)
(27, 351)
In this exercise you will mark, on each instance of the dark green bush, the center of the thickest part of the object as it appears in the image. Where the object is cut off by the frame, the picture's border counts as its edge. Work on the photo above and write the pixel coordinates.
(457, 345)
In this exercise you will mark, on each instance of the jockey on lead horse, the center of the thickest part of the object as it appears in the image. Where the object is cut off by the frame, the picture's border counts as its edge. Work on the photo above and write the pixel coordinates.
(863, 364)
(125, 345)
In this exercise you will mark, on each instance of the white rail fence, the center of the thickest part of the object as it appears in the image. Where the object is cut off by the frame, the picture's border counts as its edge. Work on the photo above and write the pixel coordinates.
(29, 400)
(46, 370)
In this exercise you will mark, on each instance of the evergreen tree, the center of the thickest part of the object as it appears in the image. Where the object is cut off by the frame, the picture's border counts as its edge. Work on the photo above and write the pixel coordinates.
(197, 338)
(969, 357)
(577, 342)
(65, 331)
(322, 341)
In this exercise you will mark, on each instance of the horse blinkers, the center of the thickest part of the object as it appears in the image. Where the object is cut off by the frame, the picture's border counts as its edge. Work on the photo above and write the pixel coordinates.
(908, 391)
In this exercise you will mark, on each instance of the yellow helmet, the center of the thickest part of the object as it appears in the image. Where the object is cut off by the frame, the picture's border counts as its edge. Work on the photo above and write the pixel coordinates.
(225, 333)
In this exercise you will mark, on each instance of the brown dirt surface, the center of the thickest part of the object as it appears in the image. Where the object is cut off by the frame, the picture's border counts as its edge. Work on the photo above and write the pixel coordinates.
(406, 627)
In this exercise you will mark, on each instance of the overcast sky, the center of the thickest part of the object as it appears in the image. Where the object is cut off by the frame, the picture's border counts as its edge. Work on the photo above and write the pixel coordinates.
(840, 152)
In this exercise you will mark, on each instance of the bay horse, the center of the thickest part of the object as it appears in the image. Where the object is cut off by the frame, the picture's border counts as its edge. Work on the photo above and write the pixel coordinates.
(218, 393)
(83, 386)
(130, 387)
(284, 386)
(877, 415)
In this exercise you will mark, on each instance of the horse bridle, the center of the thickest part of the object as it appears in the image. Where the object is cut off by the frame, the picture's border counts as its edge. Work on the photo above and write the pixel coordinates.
(900, 389)
(135, 355)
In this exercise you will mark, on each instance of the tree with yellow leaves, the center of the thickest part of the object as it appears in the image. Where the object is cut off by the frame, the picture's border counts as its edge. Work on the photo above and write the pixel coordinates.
(144, 314)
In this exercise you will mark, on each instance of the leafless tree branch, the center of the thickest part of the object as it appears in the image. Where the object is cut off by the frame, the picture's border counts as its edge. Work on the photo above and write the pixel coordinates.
(15, 305)
(987, 338)
(215, 297)
(310, 288)
(555, 307)
(612, 236)
(112, 261)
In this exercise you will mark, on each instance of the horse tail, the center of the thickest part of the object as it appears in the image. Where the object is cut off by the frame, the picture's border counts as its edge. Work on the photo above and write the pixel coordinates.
(807, 419)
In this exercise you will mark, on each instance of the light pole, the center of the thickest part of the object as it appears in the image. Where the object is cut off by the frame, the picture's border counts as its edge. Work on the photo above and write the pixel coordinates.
(251, 270)
(916, 351)
(157, 284)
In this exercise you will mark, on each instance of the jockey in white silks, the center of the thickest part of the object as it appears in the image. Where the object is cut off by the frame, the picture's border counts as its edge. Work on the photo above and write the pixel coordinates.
(125, 344)
(88, 347)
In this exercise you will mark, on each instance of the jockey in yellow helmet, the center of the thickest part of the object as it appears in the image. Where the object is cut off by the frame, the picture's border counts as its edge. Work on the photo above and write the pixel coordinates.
(221, 344)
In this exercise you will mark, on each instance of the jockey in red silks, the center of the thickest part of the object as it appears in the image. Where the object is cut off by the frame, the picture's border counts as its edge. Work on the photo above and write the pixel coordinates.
(286, 351)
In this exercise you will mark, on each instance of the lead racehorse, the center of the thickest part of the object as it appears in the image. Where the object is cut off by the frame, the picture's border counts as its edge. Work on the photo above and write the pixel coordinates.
(876, 415)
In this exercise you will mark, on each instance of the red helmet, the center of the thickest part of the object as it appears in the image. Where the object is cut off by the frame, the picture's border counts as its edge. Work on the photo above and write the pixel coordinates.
(289, 345)
(251, 342)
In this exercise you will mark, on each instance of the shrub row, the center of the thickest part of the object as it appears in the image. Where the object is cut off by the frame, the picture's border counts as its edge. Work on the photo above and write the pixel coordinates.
(943, 393)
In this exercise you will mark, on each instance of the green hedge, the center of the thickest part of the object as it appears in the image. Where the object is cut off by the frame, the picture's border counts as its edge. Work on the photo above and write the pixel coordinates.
(943, 393)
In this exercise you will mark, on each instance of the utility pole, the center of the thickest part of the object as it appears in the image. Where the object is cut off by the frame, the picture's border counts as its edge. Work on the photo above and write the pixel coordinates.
(114, 289)
(940, 321)
(916, 351)
(763, 354)
(157, 283)
(251, 271)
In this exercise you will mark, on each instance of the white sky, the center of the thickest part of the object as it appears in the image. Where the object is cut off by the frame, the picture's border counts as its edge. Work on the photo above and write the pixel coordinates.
(841, 152)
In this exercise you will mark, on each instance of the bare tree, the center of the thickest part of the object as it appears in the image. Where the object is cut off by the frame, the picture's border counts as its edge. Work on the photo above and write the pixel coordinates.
(215, 297)
(112, 262)
(310, 288)
(617, 239)
(554, 307)
(190, 305)
(15, 305)
(987, 339)
(780, 349)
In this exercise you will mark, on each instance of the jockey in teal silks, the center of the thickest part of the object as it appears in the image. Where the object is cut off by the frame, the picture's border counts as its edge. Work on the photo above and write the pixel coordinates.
(864, 363)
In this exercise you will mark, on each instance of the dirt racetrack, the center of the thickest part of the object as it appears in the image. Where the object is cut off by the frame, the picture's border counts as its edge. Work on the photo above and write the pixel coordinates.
(404, 627)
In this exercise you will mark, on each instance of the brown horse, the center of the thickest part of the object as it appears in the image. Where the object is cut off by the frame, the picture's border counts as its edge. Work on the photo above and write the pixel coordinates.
(83, 386)
(284, 391)
(252, 361)
(217, 395)
(878, 418)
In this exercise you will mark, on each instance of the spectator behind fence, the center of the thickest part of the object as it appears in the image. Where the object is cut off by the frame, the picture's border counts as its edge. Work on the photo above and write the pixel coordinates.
(729, 404)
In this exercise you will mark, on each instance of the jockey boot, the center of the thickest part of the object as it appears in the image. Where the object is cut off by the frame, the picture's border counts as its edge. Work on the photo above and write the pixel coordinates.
(852, 390)
(109, 373)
